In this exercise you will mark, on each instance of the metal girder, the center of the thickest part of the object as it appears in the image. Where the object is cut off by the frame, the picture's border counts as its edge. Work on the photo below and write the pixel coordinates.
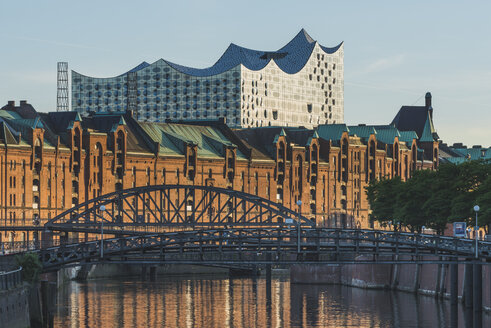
(252, 245)
(156, 208)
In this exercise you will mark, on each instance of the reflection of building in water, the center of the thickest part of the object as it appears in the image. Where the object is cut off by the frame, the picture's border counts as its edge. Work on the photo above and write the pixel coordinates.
(175, 302)
(54, 161)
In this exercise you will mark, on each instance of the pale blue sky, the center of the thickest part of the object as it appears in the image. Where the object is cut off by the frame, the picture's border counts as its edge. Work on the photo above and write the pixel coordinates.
(394, 51)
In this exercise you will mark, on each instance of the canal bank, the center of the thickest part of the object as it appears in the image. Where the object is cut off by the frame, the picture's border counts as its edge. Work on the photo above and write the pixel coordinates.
(426, 279)
(14, 299)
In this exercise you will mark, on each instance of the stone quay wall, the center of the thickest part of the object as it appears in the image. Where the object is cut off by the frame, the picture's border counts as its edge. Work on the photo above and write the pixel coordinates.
(427, 279)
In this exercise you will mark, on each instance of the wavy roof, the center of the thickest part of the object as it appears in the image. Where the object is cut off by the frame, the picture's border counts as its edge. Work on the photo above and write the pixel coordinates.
(290, 59)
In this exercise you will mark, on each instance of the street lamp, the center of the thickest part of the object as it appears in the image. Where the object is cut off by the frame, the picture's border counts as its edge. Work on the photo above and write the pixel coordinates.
(299, 203)
(476, 228)
(102, 208)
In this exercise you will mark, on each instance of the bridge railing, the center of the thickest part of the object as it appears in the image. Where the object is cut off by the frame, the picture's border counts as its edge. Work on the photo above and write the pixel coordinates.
(252, 243)
(10, 278)
(17, 247)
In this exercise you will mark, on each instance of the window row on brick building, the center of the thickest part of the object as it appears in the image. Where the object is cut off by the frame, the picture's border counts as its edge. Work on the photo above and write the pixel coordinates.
(53, 161)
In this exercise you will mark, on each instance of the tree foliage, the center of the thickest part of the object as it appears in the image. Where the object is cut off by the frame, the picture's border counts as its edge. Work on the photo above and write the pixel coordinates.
(381, 198)
(434, 198)
(31, 266)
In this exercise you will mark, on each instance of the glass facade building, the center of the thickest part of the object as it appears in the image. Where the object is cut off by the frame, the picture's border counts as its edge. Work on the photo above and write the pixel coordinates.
(301, 84)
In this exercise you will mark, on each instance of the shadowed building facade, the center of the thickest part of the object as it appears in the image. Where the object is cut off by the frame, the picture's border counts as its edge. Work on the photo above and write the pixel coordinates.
(53, 161)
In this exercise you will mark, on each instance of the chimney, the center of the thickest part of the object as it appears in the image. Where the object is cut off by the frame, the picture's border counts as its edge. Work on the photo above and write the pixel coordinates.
(23, 102)
(11, 103)
(428, 100)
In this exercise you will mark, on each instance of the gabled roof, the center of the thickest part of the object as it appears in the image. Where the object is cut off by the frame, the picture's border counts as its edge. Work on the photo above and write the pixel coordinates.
(332, 131)
(407, 137)
(386, 133)
(104, 122)
(362, 131)
(59, 122)
(263, 139)
(172, 138)
(417, 119)
(428, 131)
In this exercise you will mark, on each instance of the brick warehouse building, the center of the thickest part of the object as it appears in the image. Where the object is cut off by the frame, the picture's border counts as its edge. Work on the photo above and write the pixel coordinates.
(53, 161)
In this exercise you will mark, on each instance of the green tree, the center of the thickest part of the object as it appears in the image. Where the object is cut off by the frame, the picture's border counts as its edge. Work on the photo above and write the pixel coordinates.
(470, 176)
(31, 266)
(415, 192)
(483, 199)
(382, 196)
(438, 207)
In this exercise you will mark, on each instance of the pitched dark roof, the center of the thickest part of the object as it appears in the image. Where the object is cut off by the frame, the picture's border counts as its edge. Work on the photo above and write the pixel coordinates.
(262, 139)
(415, 118)
(59, 121)
(25, 110)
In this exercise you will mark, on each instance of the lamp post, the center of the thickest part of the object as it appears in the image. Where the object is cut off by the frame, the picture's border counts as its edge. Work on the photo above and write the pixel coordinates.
(299, 203)
(102, 208)
(476, 228)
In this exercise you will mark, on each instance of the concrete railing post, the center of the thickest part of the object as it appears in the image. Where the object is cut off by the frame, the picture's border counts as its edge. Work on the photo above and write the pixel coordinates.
(468, 298)
(477, 293)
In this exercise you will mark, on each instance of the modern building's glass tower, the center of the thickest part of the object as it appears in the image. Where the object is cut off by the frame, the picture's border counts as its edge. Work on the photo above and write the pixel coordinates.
(301, 84)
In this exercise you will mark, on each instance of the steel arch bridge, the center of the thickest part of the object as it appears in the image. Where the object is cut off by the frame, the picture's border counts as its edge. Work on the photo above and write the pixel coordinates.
(160, 208)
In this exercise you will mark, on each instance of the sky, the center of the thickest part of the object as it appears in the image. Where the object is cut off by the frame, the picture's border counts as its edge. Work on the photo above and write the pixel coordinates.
(394, 53)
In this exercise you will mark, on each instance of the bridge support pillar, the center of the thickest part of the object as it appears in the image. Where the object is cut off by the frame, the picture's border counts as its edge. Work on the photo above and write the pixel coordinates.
(153, 273)
(454, 295)
(477, 293)
(144, 271)
(468, 297)
(454, 284)
(268, 280)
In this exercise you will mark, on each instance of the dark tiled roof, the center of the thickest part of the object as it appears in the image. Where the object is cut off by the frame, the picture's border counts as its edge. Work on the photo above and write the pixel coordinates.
(103, 122)
(59, 122)
(262, 140)
(415, 118)
(25, 110)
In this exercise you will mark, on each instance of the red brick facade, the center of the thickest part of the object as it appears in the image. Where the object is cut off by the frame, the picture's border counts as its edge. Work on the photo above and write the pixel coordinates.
(52, 161)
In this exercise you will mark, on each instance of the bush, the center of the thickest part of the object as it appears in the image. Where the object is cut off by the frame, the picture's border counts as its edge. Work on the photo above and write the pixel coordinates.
(31, 266)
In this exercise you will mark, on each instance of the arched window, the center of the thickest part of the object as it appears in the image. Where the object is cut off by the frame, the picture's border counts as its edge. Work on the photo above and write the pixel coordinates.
(38, 150)
(299, 174)
(344, 160)
(98, 162)
(120, 141)
(396, 159)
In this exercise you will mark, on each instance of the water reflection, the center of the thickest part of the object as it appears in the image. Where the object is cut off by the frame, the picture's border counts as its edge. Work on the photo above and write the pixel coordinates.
(222, 302)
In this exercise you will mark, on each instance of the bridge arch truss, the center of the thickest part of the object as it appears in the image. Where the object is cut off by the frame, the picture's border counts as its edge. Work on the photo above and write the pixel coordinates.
(161, 208)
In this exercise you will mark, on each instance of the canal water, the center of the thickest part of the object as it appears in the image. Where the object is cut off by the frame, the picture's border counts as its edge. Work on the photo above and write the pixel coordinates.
(219, 301)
